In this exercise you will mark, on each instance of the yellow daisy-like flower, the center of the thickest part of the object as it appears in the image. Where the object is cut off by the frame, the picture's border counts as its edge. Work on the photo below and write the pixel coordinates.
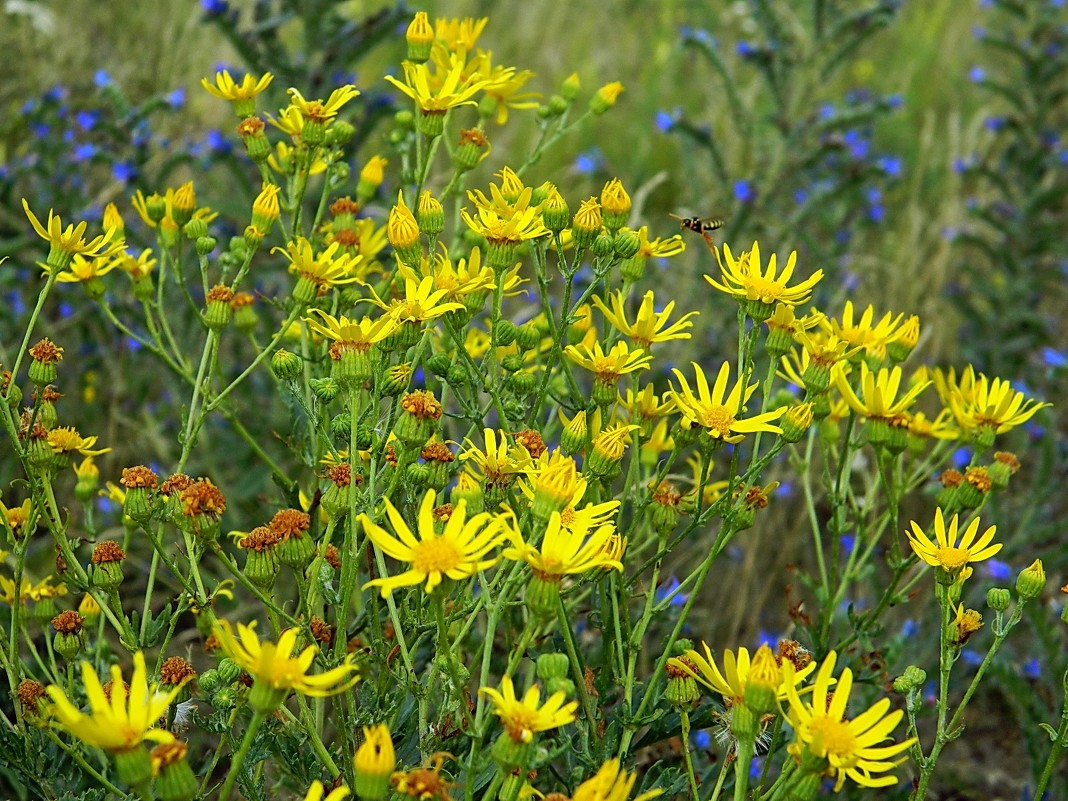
(611, 783)
(716, 410)
(658, 248)
(946, 551)
(276, 669)
(865, 336)
(522, 719)
(458, 552)
(435, 93)
(421, 302)
(500, 462)
(28, 591)
(608, 367)
(123, 721)
(853, 748)
(242, 95)
(318, 110)
(460, 35)
(82, 270)
(987, 406)
(744, 281)
(15, 517)
(567, 551)
(554, 479)
(503, 85)
(318, 273)
(649, 325)
(510, 229)
(359, 335)
(879, 391)
(67, 439)
(70, 241)
(730, 683)
(459, 280)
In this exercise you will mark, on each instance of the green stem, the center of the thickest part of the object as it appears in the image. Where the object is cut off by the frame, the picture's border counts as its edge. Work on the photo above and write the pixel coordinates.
(242, 752)
(686, 753)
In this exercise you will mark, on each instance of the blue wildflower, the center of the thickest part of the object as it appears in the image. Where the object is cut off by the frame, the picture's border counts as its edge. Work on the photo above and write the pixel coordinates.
(743, 191)
(664, 121)
(88, 119)
(702, 739)
(124, 171)
(666, 589)
(891, 165)
(962, 457)
(997, 570)
(1054, 358)
(214, 8)
(84, 151)
(909, 628)
(176, 99)
(101, 79)
(1032, 668)
(976, 74)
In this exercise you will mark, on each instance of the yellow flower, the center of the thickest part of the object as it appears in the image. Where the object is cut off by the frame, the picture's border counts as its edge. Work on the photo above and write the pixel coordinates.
(82, 269)
(864, 333)
(458, 552)
(605, 97)
(242, 95)
(658, 248)
(879, 391)
(608, 367)
(67, 439)
(318, 273)
(315, 792)
(730, 683)
(276, 669)
(460, 35)
(649, 325)
(360, 335)
(567, 551)
(500, 462)
(436, 93)
(511, 229)
(137, 268)
(226, 88)
(317, 110)
(988, 406)
(946, 552)
(374, 762)
(70, 241)
(122, 722)
(744, 281)
(465, 278)
(421, 302)
(611, 783)
(853, 748)
(717, 411)
(503, 85)
(522, 719)
(16, 517)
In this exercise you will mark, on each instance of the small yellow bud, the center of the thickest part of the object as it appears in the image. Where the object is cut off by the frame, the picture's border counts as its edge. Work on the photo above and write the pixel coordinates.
(615, 203)
(605, 97)
(420, 38)
(1031, 581)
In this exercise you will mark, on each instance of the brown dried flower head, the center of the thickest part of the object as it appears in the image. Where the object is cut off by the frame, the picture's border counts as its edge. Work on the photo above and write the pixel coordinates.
(1008, 459)
(29, 693)
(951, 478)
(532, 441)
(139, 476)
(666, 494)
(107, 551)
(260, 539)
(69, 622)
(220, 293)
(437, 452)
(241, 299)
(290, 523)
(333, 557)
(175, 483)
(202, 497)
(344, 205)
(47, 352)
(422, 404)
(979, 478)
(175, 671)
(322, 631)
